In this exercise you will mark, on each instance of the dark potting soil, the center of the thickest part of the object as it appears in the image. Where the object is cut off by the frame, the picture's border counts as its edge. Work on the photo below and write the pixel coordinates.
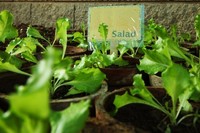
(153, 120)
(148, 119)
(4, 105)
(9, 81)
(61, 92)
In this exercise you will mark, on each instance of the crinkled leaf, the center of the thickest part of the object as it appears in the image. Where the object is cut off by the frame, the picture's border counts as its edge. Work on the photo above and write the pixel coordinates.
(96, 59)
(62, 25)
(100, 46)
(148, 37)
(7, 30)
(78, 37)
(87, 80)
(70, 120)
(155, 61)
(102, 60)
(171, 81)
(103, 30)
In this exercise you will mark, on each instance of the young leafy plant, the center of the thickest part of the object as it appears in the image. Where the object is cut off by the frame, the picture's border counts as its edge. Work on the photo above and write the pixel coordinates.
(62, 26)
(10, 62)
(101, 57)
(7, 30)
(64, 74)
(87, 80)
(179, 92)
(80, 37)
(30, 112)
(19, 50)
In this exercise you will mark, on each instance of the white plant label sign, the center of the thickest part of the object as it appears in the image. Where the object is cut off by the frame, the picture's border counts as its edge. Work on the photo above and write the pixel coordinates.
(125, 23)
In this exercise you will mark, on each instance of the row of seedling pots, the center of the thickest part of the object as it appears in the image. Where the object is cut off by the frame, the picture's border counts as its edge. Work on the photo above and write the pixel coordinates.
(46, 82)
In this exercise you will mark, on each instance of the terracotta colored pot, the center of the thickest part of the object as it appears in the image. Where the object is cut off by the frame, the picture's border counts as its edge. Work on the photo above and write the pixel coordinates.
(60, 104)
(127, 114)
(121, 76)
(142, 117)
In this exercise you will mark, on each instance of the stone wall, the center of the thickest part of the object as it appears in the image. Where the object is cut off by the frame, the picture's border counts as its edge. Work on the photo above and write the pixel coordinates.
(45, 12)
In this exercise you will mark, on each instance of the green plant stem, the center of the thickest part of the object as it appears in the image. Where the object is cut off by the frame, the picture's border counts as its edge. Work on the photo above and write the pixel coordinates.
(56, 85)
(64, 51)
(54, 41)
(60, 84)
(173, 113)
(104, 47)
(186, 116)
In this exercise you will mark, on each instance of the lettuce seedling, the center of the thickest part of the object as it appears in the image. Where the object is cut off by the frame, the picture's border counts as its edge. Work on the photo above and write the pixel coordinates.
(87, 80)
(7, 30)
(62, 26)
(101, 58)
(179, 92)
(29, 110)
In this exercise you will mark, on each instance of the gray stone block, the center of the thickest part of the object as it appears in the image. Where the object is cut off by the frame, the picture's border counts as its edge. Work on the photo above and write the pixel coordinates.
(20, 11)
(46, 14)
(81, 12)
(166, 14)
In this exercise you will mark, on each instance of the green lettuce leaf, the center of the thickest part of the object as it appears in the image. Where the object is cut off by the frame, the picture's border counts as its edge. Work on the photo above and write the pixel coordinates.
(87, 80)
(62, 25)
(70, 120)
(155, 61)
(7, 30)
